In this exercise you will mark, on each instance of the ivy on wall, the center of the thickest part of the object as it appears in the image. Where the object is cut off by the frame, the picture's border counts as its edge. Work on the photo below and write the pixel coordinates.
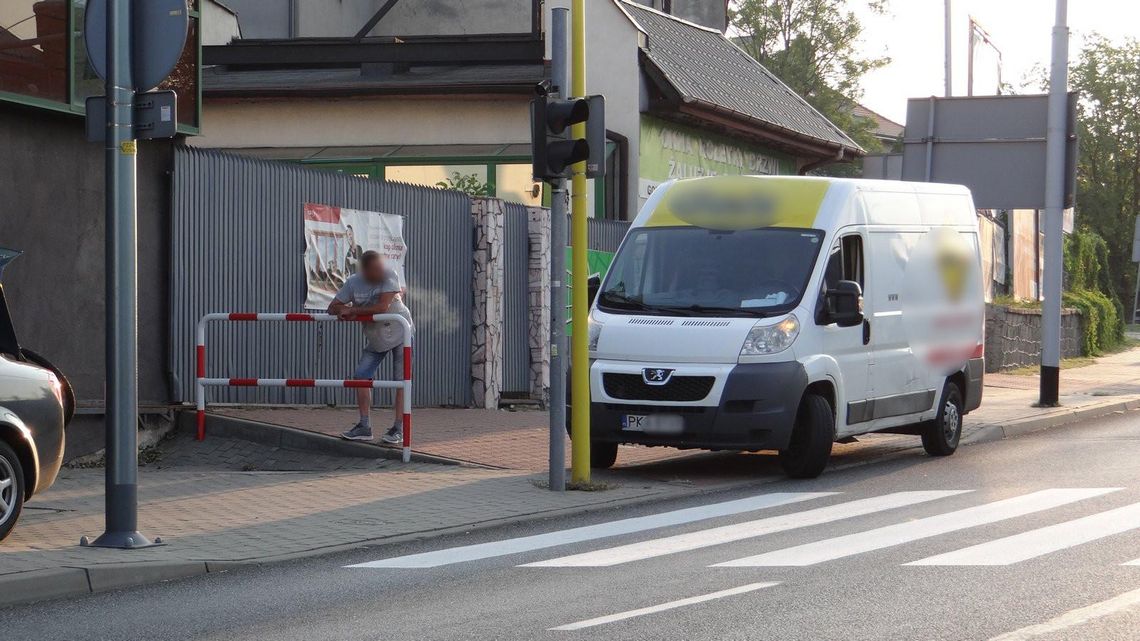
(1089, 288)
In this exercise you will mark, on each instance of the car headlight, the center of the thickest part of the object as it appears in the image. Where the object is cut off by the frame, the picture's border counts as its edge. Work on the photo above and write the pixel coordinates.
(595, 332)
(769, 339)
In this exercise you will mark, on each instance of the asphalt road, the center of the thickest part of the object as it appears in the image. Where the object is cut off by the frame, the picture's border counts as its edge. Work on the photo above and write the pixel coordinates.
(1027, 538)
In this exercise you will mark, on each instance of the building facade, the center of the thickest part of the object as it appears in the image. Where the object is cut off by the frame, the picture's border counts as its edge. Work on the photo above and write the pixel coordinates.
(681, 99)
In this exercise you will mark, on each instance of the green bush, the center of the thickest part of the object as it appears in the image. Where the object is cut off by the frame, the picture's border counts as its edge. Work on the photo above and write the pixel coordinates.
(1100, 320)
(1088, 285)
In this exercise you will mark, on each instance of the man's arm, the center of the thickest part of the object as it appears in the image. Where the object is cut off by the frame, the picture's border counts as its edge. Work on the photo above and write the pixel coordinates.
(379, 307)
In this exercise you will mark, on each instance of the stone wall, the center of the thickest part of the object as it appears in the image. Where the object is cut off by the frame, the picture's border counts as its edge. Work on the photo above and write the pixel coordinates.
(1013, 337)
(538, 302)
(487, 303)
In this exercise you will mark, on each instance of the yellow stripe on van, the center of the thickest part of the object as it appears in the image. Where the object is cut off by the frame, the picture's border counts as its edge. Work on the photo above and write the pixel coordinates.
(740, 202)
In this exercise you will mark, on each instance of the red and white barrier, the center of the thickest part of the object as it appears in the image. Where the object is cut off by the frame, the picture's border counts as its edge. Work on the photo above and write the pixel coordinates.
(405, 384)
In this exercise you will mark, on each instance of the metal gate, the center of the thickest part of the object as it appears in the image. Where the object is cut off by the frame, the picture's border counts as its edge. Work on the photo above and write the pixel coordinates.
(516, 320)
(237, 243)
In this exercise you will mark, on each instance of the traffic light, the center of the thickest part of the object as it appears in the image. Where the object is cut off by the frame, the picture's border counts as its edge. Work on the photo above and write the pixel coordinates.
(552, 149)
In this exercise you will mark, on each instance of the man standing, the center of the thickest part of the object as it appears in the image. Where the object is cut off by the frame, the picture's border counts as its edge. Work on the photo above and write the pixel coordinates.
(375, 289)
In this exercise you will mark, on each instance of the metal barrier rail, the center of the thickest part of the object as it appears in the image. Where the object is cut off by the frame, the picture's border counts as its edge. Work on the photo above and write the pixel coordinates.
(405, 384)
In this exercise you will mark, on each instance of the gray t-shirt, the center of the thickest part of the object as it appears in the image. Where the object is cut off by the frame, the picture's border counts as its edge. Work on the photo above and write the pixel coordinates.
(384, 335)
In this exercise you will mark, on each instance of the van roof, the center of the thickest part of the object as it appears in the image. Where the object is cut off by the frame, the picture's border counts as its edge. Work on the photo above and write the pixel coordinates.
(805, 201)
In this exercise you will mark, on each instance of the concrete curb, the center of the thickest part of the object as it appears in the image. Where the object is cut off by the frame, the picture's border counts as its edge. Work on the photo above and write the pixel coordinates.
(296, 439)
(55, 583)
(988, 433)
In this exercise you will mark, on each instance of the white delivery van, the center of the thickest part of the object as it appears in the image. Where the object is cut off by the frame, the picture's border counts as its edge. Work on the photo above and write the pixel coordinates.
(787, 313)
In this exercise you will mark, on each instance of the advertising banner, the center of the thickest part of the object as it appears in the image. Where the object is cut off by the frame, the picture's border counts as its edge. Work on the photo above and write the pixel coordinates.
(336, 238)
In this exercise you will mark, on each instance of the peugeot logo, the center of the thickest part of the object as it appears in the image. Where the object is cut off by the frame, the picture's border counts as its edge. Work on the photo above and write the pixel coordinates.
(656, 375)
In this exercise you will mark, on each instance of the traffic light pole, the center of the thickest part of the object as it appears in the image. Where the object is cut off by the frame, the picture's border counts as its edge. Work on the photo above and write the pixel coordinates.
(580, 356)
(557, 464)
(121, 417)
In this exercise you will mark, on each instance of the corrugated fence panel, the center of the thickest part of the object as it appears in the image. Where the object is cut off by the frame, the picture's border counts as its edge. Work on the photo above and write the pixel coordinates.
(606, 235)
(237, 243)
(516, 343)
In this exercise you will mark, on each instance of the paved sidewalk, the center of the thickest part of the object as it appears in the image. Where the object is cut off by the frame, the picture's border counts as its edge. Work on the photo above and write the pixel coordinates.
(229, 501)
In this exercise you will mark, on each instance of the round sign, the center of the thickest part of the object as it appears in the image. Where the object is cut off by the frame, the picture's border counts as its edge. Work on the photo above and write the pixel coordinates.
(158, 34)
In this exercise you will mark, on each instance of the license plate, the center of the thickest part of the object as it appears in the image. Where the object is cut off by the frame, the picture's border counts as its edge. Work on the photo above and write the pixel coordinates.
(633, 422)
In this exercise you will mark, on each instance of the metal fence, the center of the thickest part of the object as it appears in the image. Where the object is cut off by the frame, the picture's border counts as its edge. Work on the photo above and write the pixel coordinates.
(237, 244)
(516, 320)
(606, 235)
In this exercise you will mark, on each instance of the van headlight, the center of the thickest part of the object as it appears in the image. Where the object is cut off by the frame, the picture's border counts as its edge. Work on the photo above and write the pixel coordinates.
(769, 339)
(594, 333)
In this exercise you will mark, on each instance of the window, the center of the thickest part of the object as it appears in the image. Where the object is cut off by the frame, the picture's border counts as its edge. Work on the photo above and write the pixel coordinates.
(43, 58)
(33, 48)
(692, 271)
(844, 263)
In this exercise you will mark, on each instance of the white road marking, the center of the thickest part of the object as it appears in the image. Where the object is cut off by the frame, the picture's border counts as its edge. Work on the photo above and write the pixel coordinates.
(590, 532)
(1136, 562)
(1074, 618)
(1035, 543)
(621, 616)
(740, 531)
(884, 537)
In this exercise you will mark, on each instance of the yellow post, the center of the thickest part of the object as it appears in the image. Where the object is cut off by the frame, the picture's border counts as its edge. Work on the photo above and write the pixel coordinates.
(579, 348)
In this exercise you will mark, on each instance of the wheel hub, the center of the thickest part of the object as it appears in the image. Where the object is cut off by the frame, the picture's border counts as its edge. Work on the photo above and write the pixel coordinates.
(7, 490)
(951, 421)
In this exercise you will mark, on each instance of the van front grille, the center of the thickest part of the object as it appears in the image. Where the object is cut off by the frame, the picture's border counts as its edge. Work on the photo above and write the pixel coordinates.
(632, 387)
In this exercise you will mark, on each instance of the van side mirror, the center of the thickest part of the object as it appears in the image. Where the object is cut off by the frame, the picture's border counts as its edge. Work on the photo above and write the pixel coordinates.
(845, 304)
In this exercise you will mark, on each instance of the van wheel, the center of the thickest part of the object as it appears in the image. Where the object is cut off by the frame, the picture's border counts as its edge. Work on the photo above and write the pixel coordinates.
(603, 455)
(11, 489)
(941, 436)
(812, 436)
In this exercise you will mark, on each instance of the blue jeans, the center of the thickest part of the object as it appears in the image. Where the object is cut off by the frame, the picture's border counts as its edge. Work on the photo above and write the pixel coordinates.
(370, 362)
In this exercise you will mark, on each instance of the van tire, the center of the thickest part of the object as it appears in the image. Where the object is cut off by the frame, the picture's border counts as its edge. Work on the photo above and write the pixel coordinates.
(14, 493)
(603, 455)
(810, 446)
(942, 435)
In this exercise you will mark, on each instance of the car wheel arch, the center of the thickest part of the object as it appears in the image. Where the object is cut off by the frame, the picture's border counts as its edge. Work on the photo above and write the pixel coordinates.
(16, 435)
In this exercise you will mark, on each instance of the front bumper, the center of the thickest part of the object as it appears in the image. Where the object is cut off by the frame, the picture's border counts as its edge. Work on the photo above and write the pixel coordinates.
(756, 410)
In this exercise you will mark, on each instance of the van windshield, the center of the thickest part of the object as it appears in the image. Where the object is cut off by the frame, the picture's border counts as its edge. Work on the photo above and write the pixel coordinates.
(693, 271)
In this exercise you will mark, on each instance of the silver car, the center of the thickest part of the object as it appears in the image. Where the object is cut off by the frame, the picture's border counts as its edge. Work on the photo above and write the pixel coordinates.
(36, 403)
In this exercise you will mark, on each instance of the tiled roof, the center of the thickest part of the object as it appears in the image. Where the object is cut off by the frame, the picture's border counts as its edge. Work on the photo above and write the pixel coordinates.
(884, 127)
(703, 66)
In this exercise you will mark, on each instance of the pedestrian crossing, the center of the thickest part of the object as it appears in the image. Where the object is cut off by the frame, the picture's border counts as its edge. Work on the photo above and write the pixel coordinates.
(904, 528)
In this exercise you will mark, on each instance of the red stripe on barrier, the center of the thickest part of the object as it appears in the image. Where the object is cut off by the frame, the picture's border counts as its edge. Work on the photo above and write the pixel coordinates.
(365, 383)
(243, 382)
(300, 382)
(243, 317)
(201, 425)
(298, 317)
(407, 363)
(407, 429)
(201, 353)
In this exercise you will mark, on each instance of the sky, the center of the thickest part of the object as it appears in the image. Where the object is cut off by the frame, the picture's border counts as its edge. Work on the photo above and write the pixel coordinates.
(911, 34)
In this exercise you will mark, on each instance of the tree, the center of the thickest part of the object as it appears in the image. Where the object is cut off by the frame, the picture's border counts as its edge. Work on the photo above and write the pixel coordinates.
(1107, 79)
(813, 46)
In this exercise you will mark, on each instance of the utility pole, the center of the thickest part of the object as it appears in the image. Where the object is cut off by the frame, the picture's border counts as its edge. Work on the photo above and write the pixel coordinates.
(557, 456)
(949, 44)
(121, 357)
(580, 356)
(1055, 144)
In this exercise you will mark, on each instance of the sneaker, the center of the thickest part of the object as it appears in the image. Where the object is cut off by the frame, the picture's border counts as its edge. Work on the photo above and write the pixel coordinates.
(394, 435)
(358, 433)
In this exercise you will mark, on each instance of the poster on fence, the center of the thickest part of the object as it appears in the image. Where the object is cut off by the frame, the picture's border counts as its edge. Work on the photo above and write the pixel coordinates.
(336, 238)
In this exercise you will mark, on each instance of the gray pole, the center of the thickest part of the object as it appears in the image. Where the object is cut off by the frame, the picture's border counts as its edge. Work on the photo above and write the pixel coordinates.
(949, 49)
(1056, 136)
(560, 76)
(121, 392)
